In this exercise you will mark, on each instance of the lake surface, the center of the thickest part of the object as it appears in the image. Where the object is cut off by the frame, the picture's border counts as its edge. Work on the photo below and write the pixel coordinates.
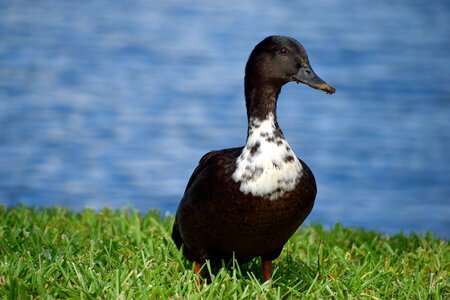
(111, 103)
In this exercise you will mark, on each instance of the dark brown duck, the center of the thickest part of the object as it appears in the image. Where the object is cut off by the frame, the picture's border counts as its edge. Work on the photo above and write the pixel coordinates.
(248, 201)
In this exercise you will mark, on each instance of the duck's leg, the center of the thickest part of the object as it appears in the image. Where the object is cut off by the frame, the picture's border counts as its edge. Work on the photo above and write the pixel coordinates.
(197, 268)
(198, 271)
(267, 269)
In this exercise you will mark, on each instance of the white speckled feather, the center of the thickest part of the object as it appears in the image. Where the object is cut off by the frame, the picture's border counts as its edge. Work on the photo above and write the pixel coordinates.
(267, 167)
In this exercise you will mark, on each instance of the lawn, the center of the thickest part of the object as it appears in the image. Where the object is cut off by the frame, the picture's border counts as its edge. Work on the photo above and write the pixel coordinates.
(122, 254)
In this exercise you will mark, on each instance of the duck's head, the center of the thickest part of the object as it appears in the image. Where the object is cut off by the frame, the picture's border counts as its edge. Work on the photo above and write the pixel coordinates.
(278, 60)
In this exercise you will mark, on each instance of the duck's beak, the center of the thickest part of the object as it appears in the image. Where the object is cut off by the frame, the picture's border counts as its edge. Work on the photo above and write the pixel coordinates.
(307, 76)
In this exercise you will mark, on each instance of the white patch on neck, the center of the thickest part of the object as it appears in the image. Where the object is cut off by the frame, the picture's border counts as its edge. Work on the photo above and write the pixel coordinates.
(267, 167)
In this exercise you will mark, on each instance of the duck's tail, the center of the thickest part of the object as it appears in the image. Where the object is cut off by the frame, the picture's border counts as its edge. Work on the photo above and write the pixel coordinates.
(176, 236)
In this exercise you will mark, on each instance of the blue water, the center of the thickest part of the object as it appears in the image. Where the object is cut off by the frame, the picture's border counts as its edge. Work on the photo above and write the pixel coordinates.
(111, 103)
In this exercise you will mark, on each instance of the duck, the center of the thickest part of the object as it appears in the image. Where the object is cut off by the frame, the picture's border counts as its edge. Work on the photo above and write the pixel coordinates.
(246, 202)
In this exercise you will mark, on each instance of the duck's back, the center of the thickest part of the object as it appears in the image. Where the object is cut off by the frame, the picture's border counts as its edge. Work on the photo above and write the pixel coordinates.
(216, 219)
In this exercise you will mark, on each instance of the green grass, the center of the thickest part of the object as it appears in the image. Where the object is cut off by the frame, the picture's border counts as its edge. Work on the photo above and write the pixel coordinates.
(111, 254)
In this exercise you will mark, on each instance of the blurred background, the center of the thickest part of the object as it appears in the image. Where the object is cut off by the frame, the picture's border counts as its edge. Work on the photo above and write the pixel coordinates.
(112, 103)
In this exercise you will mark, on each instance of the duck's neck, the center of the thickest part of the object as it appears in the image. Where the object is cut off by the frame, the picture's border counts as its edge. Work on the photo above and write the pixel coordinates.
(266, 167)
(261, 103)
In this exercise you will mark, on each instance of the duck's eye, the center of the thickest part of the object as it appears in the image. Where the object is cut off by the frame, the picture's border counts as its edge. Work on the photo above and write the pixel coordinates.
(283, 51)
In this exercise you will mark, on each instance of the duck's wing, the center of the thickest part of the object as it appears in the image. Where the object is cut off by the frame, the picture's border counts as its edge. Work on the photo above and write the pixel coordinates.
(204, 162)
(222, 161)
(214, 167)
